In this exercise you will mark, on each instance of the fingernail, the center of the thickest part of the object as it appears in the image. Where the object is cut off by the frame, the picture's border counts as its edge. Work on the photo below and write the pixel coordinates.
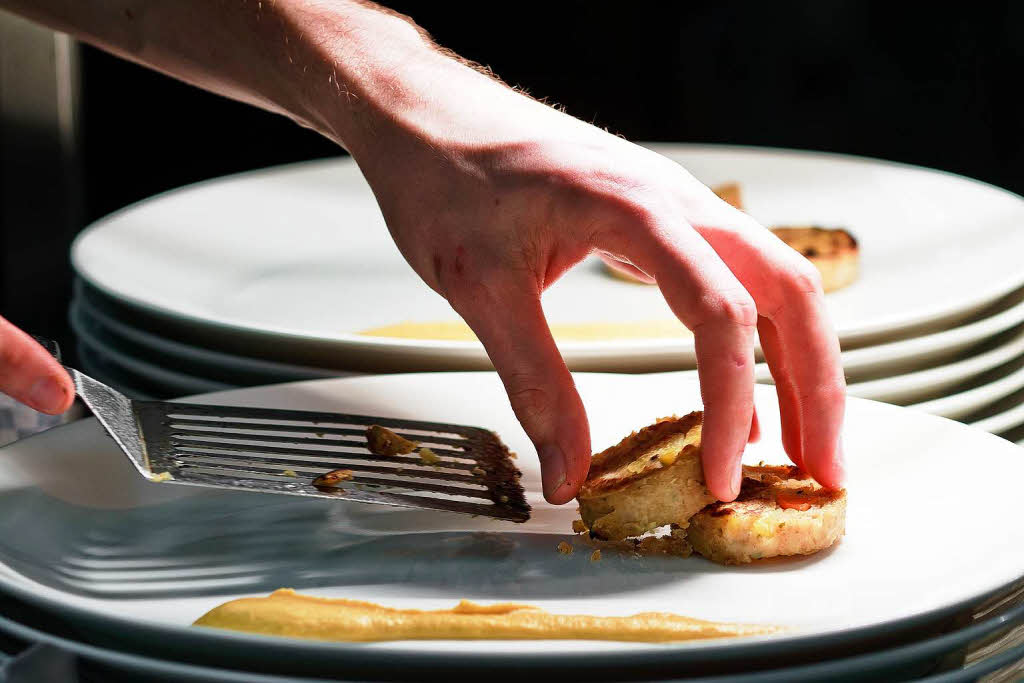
(552, 461)
(46, 395)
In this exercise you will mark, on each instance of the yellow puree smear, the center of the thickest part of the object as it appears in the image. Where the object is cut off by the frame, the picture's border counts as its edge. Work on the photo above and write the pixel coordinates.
(451, 330)
(287, 613)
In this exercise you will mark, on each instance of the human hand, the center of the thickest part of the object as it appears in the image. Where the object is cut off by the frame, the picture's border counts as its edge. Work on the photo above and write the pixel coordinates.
(492, 196)
(29, 374)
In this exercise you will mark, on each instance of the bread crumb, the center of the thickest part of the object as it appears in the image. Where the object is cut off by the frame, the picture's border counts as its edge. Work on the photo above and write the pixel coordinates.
(595, 556)
(565, 548)
(163, 476)
(289, 473)
(428, 457)
(333, 478)
(579, 527)
(383, 441)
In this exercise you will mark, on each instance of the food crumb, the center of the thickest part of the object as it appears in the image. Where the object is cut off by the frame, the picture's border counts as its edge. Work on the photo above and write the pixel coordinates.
(579, 526)
(429, 457)
(333, 478)
(383, 441)
(289, 473)
(595, 556)
(479, 471)
(163, 476)
(503, 498)
(565, 548)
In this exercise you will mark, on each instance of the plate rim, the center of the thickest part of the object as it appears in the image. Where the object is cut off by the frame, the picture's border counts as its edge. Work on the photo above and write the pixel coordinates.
(356, 343)
(676, 653)
(82, 310)
(901, 654)
(891, 384)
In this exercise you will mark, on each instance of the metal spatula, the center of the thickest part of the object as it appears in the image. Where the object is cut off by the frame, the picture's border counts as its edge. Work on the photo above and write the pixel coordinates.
(283, 451)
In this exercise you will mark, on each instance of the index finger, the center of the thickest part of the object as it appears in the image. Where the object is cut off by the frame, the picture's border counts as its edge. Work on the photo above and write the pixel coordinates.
(30, 375)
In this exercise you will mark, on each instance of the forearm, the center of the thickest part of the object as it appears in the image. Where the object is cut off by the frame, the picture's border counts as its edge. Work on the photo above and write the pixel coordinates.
(330, 65)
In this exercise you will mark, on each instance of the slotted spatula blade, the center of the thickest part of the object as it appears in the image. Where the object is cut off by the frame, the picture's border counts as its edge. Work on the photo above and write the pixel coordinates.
(283, 451)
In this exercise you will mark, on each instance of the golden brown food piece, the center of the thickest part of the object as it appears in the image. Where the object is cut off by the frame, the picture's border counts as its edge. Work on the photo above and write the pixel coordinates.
(333, 478)
(780, 511)
(428, 457)
(730, 194)
(287, 613)
(565, 548)
(383, 441)
(833, 251)
(650, 479)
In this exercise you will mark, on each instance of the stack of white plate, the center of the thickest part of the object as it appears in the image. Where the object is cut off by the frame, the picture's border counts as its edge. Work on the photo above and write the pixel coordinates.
(277, 275)
(114, 568)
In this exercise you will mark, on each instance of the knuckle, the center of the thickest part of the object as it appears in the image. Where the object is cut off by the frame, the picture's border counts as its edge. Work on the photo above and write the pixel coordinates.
(737, 308)
(530, 401)
(804, 277)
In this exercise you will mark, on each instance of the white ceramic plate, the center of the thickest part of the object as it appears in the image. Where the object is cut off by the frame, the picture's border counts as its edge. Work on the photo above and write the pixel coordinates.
(81, 534)
(916, 352)
(1001, 422)
(175, 383)
(894, 358)
(1004, 415)
(148, 356)
(102, 329)
(934, 382)
(984, 390)
(299, 255)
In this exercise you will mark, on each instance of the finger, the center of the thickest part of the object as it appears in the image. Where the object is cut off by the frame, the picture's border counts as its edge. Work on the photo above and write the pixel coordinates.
(29, 374)
(543, 395)
(755, 427)
(708, 299)
(627, 270)
(804, 332)
(805, 354)
(789, 405)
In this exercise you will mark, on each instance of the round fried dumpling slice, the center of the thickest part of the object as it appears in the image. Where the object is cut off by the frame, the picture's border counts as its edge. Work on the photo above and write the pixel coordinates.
(780, 511)
(833, 251)
(650, 479)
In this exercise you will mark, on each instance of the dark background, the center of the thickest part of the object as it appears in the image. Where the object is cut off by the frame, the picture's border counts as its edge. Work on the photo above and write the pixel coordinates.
(903, 81)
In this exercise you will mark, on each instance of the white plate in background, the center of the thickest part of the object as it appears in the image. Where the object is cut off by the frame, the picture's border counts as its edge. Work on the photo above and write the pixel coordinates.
(167, 366)
(299, 255)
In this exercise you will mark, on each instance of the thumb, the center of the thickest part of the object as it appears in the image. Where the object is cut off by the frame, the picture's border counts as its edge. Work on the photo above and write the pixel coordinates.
(513, 330)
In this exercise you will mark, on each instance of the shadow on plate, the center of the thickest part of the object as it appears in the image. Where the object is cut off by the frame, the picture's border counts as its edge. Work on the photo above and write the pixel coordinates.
(217, 545)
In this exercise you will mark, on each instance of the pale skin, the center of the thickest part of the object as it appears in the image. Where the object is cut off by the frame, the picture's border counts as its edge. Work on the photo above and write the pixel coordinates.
(492, 196)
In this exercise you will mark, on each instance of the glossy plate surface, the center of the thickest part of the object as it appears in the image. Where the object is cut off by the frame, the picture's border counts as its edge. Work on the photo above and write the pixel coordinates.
(81, 534)
(299, 255)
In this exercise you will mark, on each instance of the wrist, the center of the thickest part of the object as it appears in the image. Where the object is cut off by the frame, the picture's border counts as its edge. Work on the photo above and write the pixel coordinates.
(374, 67)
